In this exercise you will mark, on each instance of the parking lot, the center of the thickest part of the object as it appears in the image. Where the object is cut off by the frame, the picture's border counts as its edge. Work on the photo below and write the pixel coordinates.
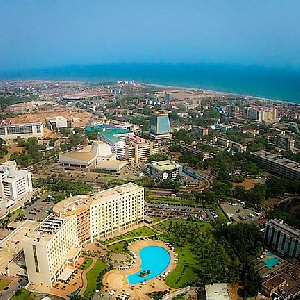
(237, 212)
(165, 210)
(38, 210)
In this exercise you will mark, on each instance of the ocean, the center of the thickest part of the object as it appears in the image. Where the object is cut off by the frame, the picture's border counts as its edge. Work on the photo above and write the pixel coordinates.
(270, 83)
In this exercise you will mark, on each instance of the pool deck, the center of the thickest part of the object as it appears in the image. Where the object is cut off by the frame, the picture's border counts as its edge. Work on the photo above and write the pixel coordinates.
(116, 279)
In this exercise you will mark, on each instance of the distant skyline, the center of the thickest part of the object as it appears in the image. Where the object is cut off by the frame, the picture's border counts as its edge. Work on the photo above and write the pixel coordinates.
(52, 33)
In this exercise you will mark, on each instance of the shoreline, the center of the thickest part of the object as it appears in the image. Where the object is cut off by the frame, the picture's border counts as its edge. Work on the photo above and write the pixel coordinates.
(159, 85)
(218, 92)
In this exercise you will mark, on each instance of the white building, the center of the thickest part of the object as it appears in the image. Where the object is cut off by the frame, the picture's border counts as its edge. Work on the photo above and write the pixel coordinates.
(98, 156)
(217, 291)
(115, 210)
(89, 156)
(57, 123)
(50, 248)
(116, 138)
(14, 185)
(55, 244)
(162, 170)
(25, 130)
(106, 213)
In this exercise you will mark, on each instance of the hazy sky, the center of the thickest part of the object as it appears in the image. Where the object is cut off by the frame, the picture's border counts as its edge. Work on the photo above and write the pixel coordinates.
(47, 33)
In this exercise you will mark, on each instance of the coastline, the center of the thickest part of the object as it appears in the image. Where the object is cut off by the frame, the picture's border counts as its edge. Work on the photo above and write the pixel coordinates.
(257, 82)
(278, 101)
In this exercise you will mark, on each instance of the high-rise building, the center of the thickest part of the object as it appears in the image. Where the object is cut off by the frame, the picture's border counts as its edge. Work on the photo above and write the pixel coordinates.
(138, 150)
(50, 248)
(106, 213)
(285, 142)
(261, 114)
(282, 238)
(56, 243)
(14, 185)
(160, 124)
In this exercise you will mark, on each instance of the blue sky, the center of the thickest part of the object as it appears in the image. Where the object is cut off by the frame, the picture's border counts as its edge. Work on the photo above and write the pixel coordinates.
(49, 33)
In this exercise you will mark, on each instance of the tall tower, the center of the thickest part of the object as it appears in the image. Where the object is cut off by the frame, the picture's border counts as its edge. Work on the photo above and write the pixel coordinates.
(160, 123)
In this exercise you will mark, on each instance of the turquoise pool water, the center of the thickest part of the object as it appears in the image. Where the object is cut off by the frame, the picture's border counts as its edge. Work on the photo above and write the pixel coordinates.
(154, 258)
(271, 261)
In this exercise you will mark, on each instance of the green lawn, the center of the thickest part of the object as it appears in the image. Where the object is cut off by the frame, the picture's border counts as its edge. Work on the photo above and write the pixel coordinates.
(92, 277)
(118, 247)
(183, 273)
(140, 232)
(222, 218)
(23, 295)
(4, 282)
(87, 262)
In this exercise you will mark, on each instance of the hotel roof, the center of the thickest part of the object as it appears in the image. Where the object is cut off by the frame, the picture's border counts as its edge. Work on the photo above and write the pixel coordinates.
(76, 204)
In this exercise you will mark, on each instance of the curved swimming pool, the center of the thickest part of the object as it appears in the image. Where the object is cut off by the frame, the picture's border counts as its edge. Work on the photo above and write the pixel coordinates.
(153, 258)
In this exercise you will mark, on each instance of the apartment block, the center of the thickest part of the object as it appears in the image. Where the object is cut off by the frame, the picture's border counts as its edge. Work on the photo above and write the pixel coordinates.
(261, 113)
(50, 248)
(277, 164)
(14, 185)
(285, 142)
(282, 238)
(106, 213)
(25, 130)
(137, 150)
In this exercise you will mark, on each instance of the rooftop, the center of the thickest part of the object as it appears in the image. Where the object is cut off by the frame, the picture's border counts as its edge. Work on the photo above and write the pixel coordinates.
(217, 291)
(164, 165)
(76, 204)
(82, 156)
(112, 134)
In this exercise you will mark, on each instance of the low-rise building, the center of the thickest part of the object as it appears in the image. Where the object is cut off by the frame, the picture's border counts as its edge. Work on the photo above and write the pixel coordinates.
(89, 156)
(217, 291)
(24, 130)
(57, 123)
(283, 283)
(162, 170)
(277, 164)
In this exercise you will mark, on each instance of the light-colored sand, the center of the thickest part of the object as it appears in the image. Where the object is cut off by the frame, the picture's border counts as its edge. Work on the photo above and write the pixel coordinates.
(116, 279)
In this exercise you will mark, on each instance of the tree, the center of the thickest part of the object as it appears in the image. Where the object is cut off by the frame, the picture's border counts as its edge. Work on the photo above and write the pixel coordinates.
(3, 148)
(157, 157)
(275, 187)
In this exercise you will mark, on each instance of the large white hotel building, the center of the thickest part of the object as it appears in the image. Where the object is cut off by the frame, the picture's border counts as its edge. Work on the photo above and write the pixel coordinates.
(76, 220)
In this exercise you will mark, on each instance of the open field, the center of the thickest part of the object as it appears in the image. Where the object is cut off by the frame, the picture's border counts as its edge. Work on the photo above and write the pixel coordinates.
(81, 117)
(249, 184)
